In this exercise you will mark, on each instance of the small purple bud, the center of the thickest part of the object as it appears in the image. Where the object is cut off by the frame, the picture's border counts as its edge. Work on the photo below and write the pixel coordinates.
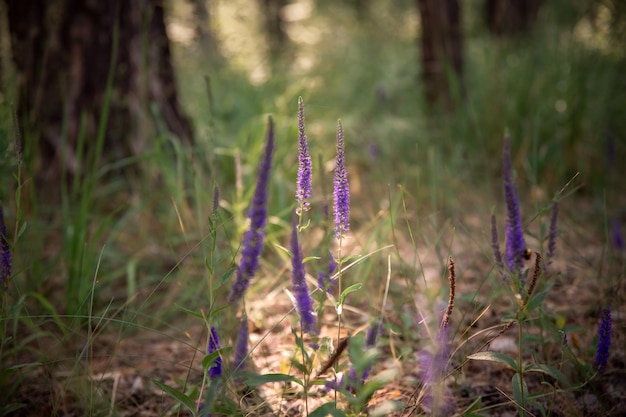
(604, 341)
(214, 345)
(341, 188)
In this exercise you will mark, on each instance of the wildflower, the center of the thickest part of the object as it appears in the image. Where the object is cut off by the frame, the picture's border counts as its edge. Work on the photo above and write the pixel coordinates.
(497, 255)
(253, 238)
(5, 253)
(616, 234)
(604, 341)
(241, 351)
(303, 191)
(552, 232)
(303, 299)
(214, 345)
(433, 368)
(514, 234)
(323, 278)
(341, 188)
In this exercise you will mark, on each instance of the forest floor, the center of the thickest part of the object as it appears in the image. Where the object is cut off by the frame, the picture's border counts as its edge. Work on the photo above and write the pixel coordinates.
(118, 371)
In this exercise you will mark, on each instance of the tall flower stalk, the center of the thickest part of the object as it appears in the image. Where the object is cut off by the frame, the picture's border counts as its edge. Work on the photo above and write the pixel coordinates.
(253, 238)
(341, 205)
(514, 234)
(305, 170)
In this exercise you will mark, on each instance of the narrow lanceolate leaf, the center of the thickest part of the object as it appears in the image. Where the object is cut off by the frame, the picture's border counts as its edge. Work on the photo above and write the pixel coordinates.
(254, 380)
(548, 370)
(520, 391)
(494, 357)
(177, 395)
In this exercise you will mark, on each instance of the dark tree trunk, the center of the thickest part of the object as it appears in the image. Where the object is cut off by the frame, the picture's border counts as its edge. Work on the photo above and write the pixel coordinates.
(274, 27)
(62, 52)
(205, 35)
(441, 51)
(508, 17)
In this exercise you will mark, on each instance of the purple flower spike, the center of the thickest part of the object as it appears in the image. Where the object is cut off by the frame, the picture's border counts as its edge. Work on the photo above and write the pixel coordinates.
(497, 255)
(514, 235)
(300, 291)
(552, 233)
(303, 191)
(341, 188)
(5, 253)
(214, 345)
(241, 351)
(604, 341)
(253, 238)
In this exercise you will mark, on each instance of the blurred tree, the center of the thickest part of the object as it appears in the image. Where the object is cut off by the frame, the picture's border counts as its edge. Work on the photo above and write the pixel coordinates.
(506, 17)
(205, 35)
(274, 27)
(441, 51)
(62, 51)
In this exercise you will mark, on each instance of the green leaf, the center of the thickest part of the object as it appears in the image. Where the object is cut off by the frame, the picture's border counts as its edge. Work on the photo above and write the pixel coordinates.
(520, 391)
(21, 231)
(208, 360)
(326, 409)
(310, 258)
(475, 406)
(548, 370)
(255, 380)
(494, 357)
(190, 312)
(536, 301)
(220, 281)
(351, 288)
(177, 395)
(284, 249)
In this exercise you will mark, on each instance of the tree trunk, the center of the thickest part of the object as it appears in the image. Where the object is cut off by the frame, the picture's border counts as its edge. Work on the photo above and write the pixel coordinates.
(274, 27)
(441, 51)
(62, 50)
(508, 17)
